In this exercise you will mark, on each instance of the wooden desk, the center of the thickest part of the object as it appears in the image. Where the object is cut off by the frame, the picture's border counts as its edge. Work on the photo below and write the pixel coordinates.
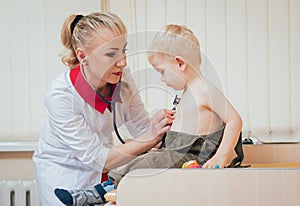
(273, 179)
(278, 165)
(271, 153)
(210, 187)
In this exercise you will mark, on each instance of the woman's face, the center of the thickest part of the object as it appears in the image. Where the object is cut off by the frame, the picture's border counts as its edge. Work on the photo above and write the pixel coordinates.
(169, 71)
(106, 61)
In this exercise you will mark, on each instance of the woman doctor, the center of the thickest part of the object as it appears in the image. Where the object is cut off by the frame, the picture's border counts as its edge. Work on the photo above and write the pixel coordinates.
(75, 146)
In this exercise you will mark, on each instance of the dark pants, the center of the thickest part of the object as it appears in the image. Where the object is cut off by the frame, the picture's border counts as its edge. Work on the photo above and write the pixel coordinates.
(179, 148)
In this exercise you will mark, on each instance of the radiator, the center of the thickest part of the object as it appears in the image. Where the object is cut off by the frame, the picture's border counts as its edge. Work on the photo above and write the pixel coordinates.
(19, 193)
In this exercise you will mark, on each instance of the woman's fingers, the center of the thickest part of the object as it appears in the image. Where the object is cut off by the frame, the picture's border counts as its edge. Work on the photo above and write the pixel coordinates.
(164, 125)
(159, 126)
(162, 121)
(161, 114)
(158, 116)
(169, 114)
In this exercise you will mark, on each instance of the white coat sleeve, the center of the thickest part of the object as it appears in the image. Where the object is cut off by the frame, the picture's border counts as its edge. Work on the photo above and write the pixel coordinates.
(137, 118)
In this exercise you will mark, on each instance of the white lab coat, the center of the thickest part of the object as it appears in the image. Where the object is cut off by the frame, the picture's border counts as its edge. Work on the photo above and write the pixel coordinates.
(76, 138)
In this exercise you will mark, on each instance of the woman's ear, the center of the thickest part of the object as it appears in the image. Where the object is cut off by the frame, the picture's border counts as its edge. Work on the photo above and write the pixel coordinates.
(80, 54)
(180, 62)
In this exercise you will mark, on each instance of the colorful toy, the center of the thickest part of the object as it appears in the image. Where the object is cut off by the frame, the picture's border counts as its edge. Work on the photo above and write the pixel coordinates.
(191, 164)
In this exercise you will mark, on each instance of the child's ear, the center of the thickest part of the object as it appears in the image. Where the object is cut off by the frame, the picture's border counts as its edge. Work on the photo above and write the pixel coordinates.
(180, 62)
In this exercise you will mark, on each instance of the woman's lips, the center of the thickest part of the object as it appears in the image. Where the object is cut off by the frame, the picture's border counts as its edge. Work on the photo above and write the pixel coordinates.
(117, 73)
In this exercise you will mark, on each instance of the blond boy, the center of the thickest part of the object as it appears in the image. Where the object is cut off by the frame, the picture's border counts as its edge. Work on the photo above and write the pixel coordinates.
(175, 54)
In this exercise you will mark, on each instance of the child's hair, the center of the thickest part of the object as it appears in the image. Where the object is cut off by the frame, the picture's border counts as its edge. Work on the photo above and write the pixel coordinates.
(176, 40)
(84, 31)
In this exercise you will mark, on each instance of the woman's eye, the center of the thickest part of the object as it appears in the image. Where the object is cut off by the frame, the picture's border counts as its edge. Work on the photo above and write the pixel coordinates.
(124, 51)
(112, 54)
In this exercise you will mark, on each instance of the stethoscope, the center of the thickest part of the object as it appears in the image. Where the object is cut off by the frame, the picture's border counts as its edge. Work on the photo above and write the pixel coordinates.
(112, 102)
(175, 103)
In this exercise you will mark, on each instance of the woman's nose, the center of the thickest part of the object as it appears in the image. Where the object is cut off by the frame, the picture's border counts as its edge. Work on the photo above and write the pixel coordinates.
(122, 62)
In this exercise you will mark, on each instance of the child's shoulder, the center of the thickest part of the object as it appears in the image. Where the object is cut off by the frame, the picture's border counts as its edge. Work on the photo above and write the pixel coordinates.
(207, 85)
(204, 85)
(205, 90)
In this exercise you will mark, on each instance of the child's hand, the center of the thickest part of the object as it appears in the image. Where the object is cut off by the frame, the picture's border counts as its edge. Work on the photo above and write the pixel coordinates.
(217, 161)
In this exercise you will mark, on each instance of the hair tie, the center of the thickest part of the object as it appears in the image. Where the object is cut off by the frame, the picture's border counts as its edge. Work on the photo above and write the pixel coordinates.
(75, 21)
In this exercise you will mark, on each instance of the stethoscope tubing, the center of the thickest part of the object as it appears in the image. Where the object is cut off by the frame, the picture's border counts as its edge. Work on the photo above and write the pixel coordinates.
(112, 103)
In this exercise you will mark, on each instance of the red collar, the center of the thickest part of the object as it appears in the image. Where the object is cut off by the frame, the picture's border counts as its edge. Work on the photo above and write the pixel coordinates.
(87, 92)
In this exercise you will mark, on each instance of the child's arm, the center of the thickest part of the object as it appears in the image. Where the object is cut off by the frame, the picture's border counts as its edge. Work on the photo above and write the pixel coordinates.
(219, 104)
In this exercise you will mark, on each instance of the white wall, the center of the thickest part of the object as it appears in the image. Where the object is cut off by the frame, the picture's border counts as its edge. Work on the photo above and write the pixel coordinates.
(253, 45)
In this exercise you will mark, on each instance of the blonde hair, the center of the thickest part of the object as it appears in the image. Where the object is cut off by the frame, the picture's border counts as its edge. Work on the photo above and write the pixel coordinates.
(84, 33)
(176, 40)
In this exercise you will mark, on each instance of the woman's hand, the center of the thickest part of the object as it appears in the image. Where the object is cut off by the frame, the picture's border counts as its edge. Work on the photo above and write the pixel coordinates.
(170, 114)
(161, 122)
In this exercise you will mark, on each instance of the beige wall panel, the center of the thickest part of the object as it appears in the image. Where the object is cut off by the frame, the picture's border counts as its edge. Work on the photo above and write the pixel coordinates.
(5, 77)
(237, 68)
(36, 61)
(295, 64)
(196, 19)
(258, 64)
(176, 12)
(280, 70)
(216, 38)
(31, 46)
(16, 166)
(18, 54)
